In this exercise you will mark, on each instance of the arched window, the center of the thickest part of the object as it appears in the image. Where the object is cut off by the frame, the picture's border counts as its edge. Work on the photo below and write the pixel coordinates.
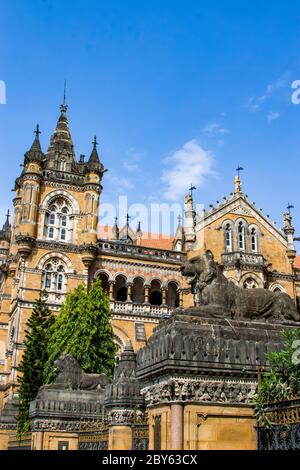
(228, 238)
(155, 297)
(250, 283)
(48, 276)
(59, 223)
(54, 276)
(241, 236)
(52, 223)
(63, 224)
(254, 240)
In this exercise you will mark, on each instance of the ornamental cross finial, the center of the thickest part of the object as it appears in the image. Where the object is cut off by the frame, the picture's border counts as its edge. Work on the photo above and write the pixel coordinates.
(239, 169)
(37, 130)
(191, 189)
(289, 207)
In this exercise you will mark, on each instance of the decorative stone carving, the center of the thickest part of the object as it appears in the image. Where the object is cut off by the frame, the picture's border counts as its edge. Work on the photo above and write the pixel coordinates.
(216, 295)
(203, 391)
(71, 377)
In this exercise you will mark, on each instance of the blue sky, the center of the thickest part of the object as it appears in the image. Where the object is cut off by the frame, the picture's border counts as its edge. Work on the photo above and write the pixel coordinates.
(169, 87)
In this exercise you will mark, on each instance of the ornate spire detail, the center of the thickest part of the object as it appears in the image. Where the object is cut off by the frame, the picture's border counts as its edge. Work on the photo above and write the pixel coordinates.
(6, 229)
(139, 229)
(237, 181)
(35, 153)
(94, 160)
(115, 229)
(61, 140)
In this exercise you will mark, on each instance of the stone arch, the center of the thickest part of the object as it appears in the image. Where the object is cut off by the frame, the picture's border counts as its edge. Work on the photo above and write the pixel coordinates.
(54, 254)
(155, 297)
(276, 287)
(138, 293)
(120, 287)
(104, 271)
(248, 276)
(173, 294)
(53, 195)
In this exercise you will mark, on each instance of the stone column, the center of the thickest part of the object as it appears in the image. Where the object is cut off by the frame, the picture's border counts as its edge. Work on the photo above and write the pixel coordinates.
(38, 444)
(176, 426)
(180, 299)
(147, 294)
(111, 290)
(164, 296)
(129, 292)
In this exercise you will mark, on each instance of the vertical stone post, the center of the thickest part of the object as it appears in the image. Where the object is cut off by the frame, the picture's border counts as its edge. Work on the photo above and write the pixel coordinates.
(111, 290)
(176, 426)
(180, 299)
(129, 292)
(147, 294)
(164, 296)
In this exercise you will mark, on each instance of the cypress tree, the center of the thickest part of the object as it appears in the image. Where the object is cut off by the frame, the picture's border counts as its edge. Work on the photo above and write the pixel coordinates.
(83, 330)
(33, 362)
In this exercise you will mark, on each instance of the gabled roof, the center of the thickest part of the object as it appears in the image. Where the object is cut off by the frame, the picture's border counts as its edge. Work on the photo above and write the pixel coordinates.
(239, 204)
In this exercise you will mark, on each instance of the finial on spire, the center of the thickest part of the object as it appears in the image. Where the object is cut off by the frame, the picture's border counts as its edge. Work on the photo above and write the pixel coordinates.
(237, 180)
(239, 169)
(64, 106)
(191, 189)
(289, 207)
(65, 90)
(179, 219)
(95, 143)
(37, 130)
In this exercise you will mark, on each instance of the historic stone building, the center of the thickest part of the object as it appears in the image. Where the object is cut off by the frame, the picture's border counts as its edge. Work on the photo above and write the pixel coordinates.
(52, 243)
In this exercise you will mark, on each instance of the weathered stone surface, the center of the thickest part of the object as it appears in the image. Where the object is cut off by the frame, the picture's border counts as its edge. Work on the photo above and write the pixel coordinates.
(70, 376)
(215, 294)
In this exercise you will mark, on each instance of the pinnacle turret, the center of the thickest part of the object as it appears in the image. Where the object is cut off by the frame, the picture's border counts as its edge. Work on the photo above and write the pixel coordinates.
(35, 153)
(94, 160)
(61, 140)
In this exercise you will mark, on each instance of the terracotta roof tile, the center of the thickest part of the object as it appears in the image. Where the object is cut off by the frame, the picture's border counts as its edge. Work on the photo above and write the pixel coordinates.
(150, 240)
(297, 262)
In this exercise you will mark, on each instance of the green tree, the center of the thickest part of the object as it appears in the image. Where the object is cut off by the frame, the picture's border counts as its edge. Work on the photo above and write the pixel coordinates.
(282, 381)
(83, 330)
(33, 362)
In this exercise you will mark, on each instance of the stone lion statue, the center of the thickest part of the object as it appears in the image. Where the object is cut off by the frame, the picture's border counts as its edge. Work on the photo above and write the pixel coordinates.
(216, 295)
(71, 377)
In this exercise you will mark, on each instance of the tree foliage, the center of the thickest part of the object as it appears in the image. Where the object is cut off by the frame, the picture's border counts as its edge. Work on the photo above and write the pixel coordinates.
(33, 362)
(83, 330)
(282, 381)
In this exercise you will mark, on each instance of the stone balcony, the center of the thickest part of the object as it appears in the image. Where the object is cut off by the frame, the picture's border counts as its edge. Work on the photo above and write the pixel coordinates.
(130, 308)
(140, 252)
(241, 259)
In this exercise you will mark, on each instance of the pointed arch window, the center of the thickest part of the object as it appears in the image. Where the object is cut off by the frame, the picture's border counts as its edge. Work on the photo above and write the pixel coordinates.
(254, 240)
(228, 238)
(52, 223)
(54, 276)
(59, 222)
(241, 236)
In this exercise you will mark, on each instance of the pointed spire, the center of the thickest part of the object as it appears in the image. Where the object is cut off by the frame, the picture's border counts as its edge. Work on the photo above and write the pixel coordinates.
(6, 229)
(61, 139)
(94, 160)
(179, 230)
(115, 230)
(35, 152)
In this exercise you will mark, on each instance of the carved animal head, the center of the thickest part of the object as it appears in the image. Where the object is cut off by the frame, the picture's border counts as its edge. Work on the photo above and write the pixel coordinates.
(66, 363)
(201, 268)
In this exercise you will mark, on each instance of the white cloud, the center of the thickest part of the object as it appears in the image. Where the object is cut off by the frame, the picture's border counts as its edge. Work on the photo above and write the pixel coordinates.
(215, 129)
(189, 165)
(131, 163)
(255, 102)
(119, 183)
(273, 116)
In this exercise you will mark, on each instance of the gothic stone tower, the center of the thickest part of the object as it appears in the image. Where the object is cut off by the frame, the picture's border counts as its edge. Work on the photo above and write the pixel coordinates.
(53, 239)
